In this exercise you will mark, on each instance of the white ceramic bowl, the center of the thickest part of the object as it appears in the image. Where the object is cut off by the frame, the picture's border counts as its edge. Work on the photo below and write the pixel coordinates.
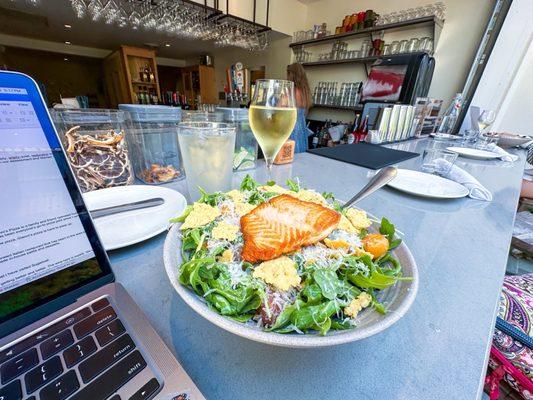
(397, 298)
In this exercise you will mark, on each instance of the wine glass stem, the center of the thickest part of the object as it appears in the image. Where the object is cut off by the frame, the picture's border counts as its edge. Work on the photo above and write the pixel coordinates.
(269, 163)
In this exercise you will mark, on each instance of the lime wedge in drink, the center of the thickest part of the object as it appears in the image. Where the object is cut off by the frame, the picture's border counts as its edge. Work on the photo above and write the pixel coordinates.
(247, 164)
(241, 156)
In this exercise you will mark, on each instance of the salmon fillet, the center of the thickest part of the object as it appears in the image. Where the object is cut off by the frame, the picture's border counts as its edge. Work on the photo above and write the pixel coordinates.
(283, 225)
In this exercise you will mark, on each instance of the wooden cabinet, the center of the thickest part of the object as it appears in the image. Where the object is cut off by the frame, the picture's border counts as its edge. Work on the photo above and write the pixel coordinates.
(130, 75)
(199, 80)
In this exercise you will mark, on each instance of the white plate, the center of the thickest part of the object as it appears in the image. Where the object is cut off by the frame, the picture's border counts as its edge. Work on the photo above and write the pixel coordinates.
(476, 154)
(398, 299)
(427, 185)
(130, 227)
(444, 136)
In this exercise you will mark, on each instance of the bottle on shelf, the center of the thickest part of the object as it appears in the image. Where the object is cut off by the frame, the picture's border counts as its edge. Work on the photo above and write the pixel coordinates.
(315, 139)
(151, 75)
(146, 74)
(362, 132)
(353, 131)
(449, 118)
(141, 74)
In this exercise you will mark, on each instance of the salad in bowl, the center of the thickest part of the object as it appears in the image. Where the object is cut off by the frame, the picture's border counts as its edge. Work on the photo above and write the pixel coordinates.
(288, 260)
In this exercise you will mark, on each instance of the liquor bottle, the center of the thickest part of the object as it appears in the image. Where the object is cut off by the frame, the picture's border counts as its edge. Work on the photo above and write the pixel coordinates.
(146, 75)
(353, 131)
(151, 75)
(314, 141)
(450, 116)
(362, 131)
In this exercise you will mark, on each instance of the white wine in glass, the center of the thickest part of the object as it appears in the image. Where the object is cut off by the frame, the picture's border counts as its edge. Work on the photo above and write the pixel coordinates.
(272, 115)
(486, 119)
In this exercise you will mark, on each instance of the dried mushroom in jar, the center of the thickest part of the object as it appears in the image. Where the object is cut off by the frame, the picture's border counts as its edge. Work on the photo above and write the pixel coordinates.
(99, 161)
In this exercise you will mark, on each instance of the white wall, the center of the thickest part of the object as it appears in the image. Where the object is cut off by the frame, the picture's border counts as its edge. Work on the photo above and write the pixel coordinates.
(507, 82)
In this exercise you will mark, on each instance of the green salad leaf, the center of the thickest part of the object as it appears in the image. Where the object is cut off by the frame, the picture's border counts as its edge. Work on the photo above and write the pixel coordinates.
(293, 185)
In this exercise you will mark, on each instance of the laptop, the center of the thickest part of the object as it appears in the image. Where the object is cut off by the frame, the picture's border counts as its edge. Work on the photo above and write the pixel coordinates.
(67, 329)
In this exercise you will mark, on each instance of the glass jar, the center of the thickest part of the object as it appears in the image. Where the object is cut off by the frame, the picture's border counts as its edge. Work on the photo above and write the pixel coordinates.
(245, 155)
(154, 142)
(95, 144)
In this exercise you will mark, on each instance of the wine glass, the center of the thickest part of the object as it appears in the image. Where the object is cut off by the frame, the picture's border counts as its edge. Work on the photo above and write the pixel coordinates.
(272, 116)
(486, 119)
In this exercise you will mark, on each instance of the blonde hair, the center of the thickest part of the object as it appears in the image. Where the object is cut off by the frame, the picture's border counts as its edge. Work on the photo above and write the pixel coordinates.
(296, 73)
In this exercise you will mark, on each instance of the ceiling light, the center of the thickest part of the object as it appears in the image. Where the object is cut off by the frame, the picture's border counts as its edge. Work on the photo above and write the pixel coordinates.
(167, 44)
(67, 26)
(65, 59)
(67, 42)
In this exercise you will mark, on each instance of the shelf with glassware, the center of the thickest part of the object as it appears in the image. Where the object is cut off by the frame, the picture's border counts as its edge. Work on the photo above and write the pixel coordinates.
(431, 21)
(130, 75)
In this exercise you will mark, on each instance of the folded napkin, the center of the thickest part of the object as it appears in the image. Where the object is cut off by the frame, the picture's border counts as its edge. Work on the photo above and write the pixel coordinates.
(476, 190)
(504, 155)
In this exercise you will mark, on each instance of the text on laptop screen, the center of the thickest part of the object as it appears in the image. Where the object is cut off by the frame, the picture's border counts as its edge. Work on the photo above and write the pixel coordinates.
(43, 245)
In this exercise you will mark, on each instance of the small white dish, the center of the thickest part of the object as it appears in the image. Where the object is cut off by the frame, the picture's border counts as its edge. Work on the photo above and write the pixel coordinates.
(427, 185)
(476, 154)
(130, 227)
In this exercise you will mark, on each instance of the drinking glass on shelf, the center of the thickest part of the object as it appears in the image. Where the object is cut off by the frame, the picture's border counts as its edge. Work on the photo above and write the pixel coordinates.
(394, 47)
(365, 48)
(409, 14)
(413, 45)
(486, 119)
(272, 115)
(207, 151)
(402, 47)
(393, 17)
(438, 161)
(386, 49)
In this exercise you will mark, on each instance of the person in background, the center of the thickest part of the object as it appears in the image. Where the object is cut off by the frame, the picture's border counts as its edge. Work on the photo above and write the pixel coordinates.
(302, 94)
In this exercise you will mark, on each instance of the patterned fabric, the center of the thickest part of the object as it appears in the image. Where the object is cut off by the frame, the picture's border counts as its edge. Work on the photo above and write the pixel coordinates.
(300, 133)
(516, 307)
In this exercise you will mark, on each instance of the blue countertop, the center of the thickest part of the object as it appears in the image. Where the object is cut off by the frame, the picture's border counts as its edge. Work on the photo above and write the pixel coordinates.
(437, 351)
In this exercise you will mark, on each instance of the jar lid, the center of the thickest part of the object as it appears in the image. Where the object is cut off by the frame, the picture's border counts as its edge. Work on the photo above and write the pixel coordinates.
(234, 114)
(151, 113)
(87, 115)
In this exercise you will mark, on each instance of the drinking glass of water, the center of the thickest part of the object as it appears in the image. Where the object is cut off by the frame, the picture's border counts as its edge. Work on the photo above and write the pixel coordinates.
(207, 151)
(438, 161)
(272, 115)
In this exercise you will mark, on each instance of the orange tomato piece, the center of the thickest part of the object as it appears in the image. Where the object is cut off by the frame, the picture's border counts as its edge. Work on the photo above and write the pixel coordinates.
(376, 244)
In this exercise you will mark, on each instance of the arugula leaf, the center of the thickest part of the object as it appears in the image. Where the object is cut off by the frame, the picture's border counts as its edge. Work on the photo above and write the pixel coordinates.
(312, 294)
(314, 317)
(293, 185)
(328, 282)
(249, 183)
(183, 215)
(211, 199)
(271, 183)
(387, 229)
(328, 195)
(376, 280)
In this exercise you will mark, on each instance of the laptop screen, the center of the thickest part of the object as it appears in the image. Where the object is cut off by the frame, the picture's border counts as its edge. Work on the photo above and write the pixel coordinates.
(44, 248)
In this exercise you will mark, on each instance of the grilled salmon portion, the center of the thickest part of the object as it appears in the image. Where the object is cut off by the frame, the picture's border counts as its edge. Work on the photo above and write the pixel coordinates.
(283, 225)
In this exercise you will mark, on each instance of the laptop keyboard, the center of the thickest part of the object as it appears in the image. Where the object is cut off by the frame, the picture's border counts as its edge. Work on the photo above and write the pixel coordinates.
(85, 356)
